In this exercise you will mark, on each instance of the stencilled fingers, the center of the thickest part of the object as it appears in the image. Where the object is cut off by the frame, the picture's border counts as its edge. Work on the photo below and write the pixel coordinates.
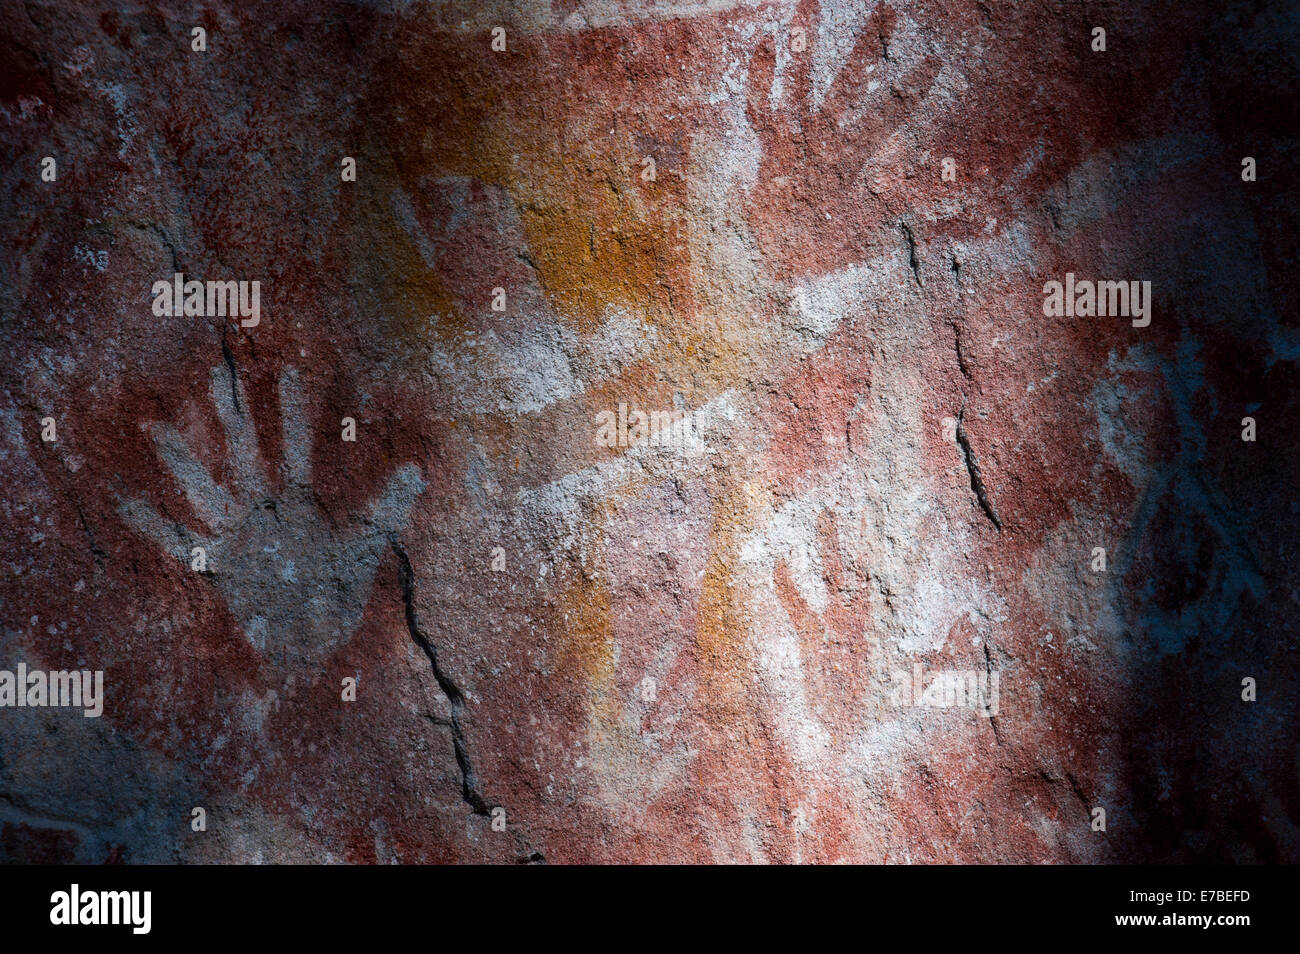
(295, 429)
(308, 575)
(210, 501)
(167, 535)
(231, 402)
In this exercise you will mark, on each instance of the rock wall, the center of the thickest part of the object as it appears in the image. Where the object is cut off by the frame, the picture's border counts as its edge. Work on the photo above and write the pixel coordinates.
(658, 438)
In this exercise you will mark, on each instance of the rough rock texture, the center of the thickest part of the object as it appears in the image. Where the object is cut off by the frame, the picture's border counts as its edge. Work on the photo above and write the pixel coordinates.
(886, 455)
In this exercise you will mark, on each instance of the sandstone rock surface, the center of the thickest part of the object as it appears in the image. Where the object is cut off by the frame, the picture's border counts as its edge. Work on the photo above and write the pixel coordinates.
(884, 460)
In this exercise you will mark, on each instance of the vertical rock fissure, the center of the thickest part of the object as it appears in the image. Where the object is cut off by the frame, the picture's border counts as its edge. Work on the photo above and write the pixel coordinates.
(228, 357)
(469, 781)
(973, 468)
(912, 260)
(988, 676)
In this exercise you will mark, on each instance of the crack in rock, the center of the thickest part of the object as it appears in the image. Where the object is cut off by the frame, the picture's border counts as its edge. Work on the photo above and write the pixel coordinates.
(469, 781)
(973, 468)
(912, 260)
(988, 675)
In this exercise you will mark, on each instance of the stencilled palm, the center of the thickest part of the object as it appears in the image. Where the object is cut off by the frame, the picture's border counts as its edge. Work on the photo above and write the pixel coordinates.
(297, 584)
